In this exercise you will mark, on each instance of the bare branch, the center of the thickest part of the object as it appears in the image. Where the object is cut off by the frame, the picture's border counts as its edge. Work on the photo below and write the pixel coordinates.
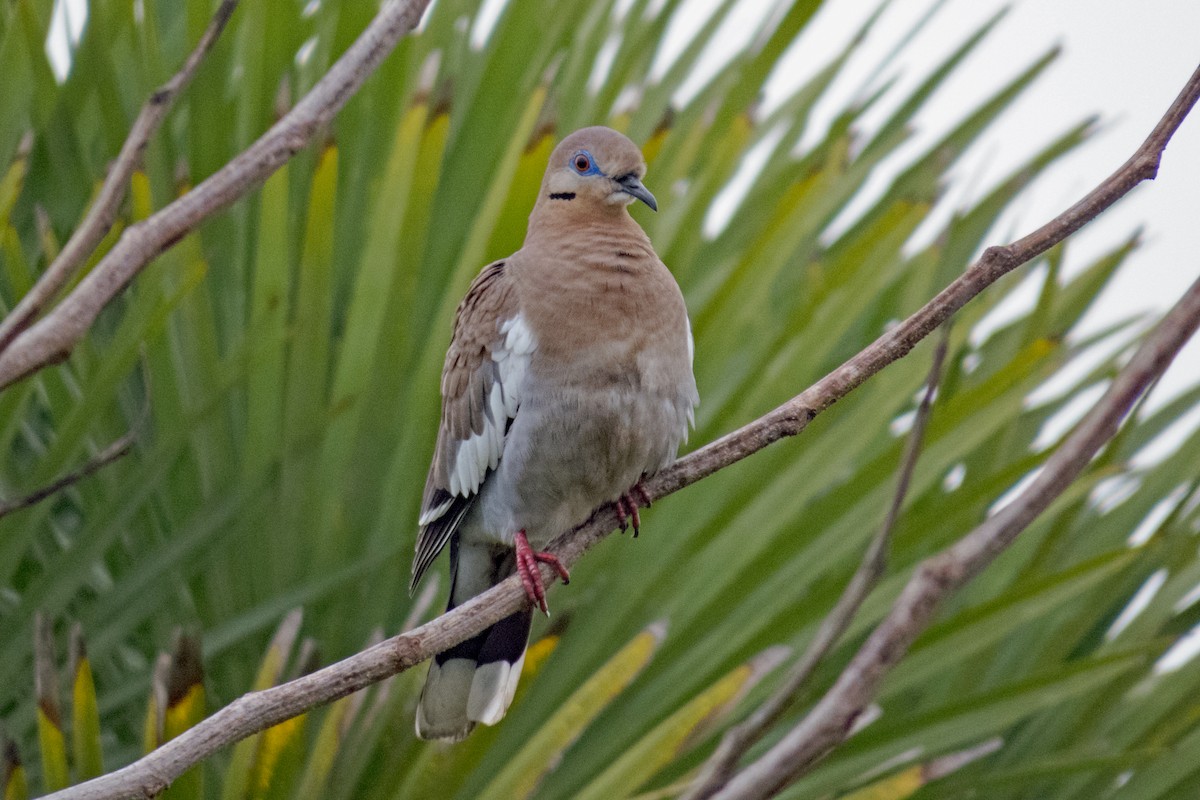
(258, 711)
(738, 740)
(103, 211)
(51, 339)
(115, 450)
(108, 455)
(827, 724)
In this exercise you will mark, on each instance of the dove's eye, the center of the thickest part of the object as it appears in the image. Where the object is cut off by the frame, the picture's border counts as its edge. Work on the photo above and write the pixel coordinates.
(583, 163)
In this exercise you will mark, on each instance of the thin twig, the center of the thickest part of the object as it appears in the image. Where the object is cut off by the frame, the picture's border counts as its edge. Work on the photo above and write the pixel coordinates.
(52, 338)
(114, 451)
(827, 724)
(108, 455)
(258, 711)
(738, 740)
(103, 211)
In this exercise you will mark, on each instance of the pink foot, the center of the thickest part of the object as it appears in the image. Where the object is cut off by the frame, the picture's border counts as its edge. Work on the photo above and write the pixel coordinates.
(627, 508)
(627, 512)
(531, 576)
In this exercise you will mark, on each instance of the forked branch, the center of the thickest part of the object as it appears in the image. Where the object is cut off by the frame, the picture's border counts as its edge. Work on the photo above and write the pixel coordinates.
(827, 724)
(103, 211)
(738, 740)
(52, 338)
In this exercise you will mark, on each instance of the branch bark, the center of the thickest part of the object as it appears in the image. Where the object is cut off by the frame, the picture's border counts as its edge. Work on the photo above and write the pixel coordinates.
(100, 216)
(258, 711)
(51, 339)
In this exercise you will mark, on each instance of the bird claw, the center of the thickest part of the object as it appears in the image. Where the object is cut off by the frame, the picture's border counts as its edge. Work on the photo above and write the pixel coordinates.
(627, 508)
(531, 577)
(627, 511)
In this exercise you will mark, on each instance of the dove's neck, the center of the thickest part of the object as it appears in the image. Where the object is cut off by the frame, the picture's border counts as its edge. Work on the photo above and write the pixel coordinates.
(605, 238)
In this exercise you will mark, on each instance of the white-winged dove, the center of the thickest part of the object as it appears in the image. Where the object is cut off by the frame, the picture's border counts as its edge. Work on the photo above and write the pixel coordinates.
(568, 380)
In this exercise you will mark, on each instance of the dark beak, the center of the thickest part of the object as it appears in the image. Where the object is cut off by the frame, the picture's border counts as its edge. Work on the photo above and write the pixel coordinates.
(631, 185)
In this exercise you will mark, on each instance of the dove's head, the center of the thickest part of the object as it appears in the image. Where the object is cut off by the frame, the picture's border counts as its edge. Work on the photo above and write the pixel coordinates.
(596, 167)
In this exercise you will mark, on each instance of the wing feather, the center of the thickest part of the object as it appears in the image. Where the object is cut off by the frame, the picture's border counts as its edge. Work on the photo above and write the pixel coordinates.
(481, 391)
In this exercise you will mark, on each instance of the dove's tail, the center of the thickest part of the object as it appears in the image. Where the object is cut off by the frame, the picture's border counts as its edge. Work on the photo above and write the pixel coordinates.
(474, 681)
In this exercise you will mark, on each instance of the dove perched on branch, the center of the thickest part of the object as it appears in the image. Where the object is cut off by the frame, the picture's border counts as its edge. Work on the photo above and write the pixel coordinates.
(568, 380)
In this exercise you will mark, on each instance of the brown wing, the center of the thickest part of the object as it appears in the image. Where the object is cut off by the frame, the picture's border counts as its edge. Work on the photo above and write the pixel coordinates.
(481, 383)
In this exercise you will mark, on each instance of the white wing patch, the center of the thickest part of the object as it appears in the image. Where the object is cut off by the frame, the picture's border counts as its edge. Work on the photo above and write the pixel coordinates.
(686, 426)
(512, 360)
(481, 451)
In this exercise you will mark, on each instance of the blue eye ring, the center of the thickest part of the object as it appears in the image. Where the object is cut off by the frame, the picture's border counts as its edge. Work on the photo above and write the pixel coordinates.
(583, 163)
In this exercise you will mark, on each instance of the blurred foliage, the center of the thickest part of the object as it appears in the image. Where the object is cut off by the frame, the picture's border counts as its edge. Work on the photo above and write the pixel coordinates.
(289, 352)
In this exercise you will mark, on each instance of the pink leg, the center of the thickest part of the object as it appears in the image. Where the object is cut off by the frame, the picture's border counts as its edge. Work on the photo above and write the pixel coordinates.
(627, 511)
(531, 576)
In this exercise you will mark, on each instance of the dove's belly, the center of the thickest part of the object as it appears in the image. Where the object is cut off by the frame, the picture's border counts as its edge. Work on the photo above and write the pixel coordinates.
(570, 450)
